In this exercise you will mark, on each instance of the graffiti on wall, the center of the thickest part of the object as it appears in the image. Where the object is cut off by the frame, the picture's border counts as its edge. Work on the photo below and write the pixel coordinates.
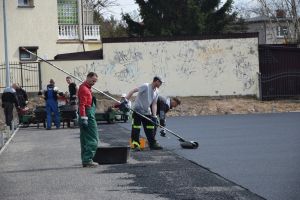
(177, 61)
(243, 71)
(214, 68)
(186, 61)
(213, 61)
(82, 70)
(126, 64)
(160, 59)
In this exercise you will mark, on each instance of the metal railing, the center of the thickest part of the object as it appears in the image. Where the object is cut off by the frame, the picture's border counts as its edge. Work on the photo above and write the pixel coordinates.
(26, 74)
(91, 32)
(68, 32)
(71, 32)
(282, 85)
(279, 76)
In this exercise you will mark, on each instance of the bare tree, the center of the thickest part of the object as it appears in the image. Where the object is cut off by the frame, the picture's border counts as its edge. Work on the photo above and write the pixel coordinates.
(282, 13)
(247, 8)
(100, 6)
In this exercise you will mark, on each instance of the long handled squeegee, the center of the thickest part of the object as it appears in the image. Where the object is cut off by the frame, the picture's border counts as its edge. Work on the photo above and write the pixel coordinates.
(183, 143)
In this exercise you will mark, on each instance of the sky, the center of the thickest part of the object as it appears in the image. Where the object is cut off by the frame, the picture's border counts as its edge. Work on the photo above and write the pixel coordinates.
(128, 6)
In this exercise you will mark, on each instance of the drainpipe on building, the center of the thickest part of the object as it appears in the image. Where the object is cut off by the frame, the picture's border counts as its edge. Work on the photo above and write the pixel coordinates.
(82, 26)
(5, 47)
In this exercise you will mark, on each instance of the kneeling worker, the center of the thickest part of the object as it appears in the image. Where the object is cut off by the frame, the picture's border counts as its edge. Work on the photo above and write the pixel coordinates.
(163, 106)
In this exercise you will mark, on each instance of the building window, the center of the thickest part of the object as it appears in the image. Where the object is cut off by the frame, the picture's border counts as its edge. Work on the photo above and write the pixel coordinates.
(281, 31)
(67, 12)
(88, 13)
(25, 3)
(25, 56)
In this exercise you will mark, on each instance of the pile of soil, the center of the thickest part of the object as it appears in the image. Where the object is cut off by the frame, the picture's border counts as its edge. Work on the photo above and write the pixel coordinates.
(194, 106)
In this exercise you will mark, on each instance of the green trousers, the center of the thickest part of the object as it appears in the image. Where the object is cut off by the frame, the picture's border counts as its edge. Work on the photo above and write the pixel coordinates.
(89, 137)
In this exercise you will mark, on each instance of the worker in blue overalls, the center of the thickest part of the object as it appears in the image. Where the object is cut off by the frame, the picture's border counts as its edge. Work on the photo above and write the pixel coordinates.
(50, 94)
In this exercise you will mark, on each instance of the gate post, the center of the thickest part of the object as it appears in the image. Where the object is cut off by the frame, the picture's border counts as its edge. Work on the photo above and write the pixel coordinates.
(259, 86)
(21, 65)
(40, 76)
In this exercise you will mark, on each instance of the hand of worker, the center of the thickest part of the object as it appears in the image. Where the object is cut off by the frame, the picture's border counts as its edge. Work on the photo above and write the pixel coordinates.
(3, 105)
(163, 133)
(155, 120)
(84, 122)
(26, 102)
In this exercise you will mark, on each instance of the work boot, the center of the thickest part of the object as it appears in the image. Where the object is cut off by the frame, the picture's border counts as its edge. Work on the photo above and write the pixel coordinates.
(90, 164)
(136, 148)
(155, 146)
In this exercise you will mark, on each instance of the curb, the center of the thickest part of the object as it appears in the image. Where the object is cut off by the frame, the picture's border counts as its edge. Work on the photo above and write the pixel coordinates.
(8, 141)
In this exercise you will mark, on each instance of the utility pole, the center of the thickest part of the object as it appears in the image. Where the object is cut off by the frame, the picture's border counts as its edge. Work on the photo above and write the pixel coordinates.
(5, 47)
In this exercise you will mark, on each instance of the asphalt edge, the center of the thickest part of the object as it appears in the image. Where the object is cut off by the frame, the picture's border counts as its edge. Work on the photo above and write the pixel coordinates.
(206, 168)
(8, 141)
(217, 174)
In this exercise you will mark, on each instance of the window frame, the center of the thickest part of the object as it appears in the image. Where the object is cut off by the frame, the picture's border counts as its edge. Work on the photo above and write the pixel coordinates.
(30, 56)
(281, 31)
(67, 11)
(30, 4)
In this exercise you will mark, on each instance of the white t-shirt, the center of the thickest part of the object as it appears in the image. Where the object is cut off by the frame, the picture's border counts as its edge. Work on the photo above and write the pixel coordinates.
(146, 96)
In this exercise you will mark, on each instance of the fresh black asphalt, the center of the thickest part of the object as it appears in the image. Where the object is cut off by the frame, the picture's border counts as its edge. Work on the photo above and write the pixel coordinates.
(40, 164)
(258, 151)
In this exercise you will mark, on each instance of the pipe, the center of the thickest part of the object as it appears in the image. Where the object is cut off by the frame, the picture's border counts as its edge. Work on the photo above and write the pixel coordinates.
(6, 46)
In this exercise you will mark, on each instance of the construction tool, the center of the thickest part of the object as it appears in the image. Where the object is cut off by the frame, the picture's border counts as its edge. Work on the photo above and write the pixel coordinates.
(183, 143)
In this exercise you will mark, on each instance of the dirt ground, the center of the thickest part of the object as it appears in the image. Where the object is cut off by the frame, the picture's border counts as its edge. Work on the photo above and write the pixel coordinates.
(194, 106)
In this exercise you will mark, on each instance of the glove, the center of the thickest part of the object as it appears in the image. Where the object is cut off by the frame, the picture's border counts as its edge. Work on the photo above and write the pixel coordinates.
(124, 106)
(163, 133)
(26, 102)
(155, 120)
(84, 122)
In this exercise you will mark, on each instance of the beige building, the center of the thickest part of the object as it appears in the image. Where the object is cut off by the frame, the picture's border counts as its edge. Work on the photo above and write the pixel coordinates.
(47, 28)
(272, 30)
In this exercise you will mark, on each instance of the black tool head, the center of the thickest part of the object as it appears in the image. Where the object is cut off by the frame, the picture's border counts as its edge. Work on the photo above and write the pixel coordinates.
(189, 145)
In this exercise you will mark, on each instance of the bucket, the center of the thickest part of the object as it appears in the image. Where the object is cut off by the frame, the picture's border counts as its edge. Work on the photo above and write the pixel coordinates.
(143, 143)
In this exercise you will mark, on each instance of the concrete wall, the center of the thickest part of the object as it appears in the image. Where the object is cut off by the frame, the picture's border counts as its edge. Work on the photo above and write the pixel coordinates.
(37, 26)
(190, 68)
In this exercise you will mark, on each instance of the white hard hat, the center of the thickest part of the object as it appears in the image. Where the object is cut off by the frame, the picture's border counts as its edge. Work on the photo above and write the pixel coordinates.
(123, 95)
